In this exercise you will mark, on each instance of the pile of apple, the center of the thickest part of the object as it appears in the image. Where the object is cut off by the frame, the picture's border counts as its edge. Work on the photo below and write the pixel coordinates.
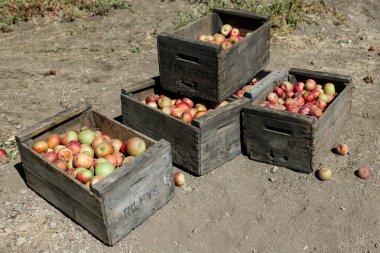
(89, 155)
(184, 109)
(307, 98)
(240, 93)
(227, 37)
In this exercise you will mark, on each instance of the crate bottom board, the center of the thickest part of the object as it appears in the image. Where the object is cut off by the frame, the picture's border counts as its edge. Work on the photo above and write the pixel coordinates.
(72, 209)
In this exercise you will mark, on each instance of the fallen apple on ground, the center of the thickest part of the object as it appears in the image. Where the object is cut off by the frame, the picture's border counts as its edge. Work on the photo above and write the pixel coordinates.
(179, 179)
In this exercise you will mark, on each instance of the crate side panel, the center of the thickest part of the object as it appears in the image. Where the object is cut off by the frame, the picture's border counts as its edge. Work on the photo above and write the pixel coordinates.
(183, 137)
(277, 142)
(67, 205)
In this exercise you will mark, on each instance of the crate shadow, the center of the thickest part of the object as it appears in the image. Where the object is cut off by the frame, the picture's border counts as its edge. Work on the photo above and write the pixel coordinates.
(20, 171)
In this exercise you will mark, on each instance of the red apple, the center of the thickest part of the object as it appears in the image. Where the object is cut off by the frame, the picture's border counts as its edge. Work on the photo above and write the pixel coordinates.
(290, 94)
(199, 113)
(74, 146)
(192, 111)
(188, 101)
(61, 164)
(123, 148)
(84, 176)
(135, 146)
(116, 144)
(272, 97)
(177, 112)
(292, 109)
(316, 112)
(112, 159)
(342, 149)
(51, 156)
(316, 93)
(226, 44)
(179, 179)
(70, 135)
(290, 102)
(164, 102)
(183, 105)
(287, 86)
(309, 97)
(178, 101)
(310, 85)
(364, 173)
(3, 153)
(304, 110)
(321, 104)
(187, 117)
(239, 93)
(300, 101)
(247, 87)
(84, 160)
(280, 92)
(152, 98)
(53, 140)
(119, 158)
(107, 138)
(234, 39)
(234, 32)
(226, 29)
(40, 146)
(330, 97)
(299, 87)
(103, 149)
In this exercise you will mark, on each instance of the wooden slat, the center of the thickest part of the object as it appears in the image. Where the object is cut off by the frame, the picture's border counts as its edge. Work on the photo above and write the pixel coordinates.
(332, 77)
(140, 86)
(205, 25)
(241, 13)
(183, 137)
(67, 205)
(50, 122)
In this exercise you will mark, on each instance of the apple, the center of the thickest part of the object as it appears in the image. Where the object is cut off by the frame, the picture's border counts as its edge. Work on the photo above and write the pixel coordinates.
(164, 102)
(329, 89)
(99, 161)
(95, 180)
(324, 174)
(87, 148)
(86, 136)
(152, 104)
(107, 138)
(203, 37)
(364, 173)
(234, 39)
(119, 157)
(187, 117)
(290, 94)
(240, 93)
(280, 92)
(316, 93)
(61, 164)
(152, 98)
(324, 97)
(316, 112)
(213, 42)
(112, 159)
(50, 150)
(84, 176)
(104, 169)
(247, 87)
(167, 110)
(265, 104)
(280, 101)
(76, 171)
(116, 144)
(226, 29)
(65, 154)
(40, 146)
(84, 160)
(224, 103)
(70, 163)
(304, 110)
(310, 85)
(3, 153)
(330, 97)
(234, 32)
(74, 146)
(192, 111)
(342, 149)
(290, 102)
(177, 112)
(200, 107)
(299, 87)
(70, 135)
(254, 81)
(287, 86)
(70, 172)
(103, 149)
(188, 101)
(53, 140)
(58, 148)
(97, 141)
(135, 146)
(98, 133)
(300, 101)
(322, 104)
(292, 109)
(308, 96)
(183, 105)
(226, 44)
(127, 159)
(272, 97)
(178, 101)
(51, 156)
(179, 179)
(219, 38)
(199, 113)
(123, 148)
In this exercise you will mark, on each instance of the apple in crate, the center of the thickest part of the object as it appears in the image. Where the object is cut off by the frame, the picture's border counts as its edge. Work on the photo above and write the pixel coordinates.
(103, 149)
(200, 107)
(51, 156)
(127, 159)
(99, 139)
(219, 38)
(86, 136)
(87, 148)
(135, 146)
(226, 29)
(70, 135)
(84, 160)
(74, 146)
(65, 154)
(164, 102)
(226, 44)
(116, 144)
(40, 146)
(104, 169)
(84, 176)
(53, 140)
(234, 32)
(96, 179)
(152, 98)
(61, 164)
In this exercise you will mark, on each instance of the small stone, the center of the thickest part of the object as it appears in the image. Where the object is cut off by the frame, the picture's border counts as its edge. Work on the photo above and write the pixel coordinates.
(373, 49)
(103, 89)
(272, 179)
(9, 119)
(246, 237)
(20, 241)
(112, 111)
(52, 224)
(273, 169)
(227, 214)
(213, 172)
(81, 100)
(53, 236)
(23, 191)
(18, 126)
(306, 247)
(194, 231)
(342, 208)
(376, 245)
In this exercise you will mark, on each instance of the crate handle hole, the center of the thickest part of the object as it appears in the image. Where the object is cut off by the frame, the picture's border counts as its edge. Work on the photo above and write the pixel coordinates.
(189, 84)
(188, 58)
(277, 130)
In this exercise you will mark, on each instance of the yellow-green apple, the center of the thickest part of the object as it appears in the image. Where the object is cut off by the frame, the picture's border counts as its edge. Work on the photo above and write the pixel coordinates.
(200, 107)
(70, 135)
(86, 136)
(103, 149)
(97, 140)
(329, 89)
(104, 169)
(40, 146)
(226, 29)
(164, 102)
(219, 38)
(99, 161)
(84, 176)
(226, 44)
(135, 146)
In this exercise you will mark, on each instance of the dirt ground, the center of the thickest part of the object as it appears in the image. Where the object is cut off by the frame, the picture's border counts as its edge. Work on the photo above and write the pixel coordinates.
(235, 208)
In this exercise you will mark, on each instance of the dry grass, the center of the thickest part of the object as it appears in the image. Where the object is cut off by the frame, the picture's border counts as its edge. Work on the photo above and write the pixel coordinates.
(10, 145)
(14, 11)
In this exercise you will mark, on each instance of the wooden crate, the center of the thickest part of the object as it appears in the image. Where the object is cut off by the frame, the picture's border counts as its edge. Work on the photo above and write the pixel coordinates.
(292, 140)
(117, 204)
(199, 147)
(200, 69)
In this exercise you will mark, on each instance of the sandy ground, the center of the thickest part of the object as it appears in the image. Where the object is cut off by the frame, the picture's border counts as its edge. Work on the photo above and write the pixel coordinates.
(235, 208)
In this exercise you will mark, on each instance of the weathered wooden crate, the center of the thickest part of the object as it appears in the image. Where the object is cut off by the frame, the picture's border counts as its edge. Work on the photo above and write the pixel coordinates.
(199, 147)
(117, 204)
(200, 69)
(292, 140)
